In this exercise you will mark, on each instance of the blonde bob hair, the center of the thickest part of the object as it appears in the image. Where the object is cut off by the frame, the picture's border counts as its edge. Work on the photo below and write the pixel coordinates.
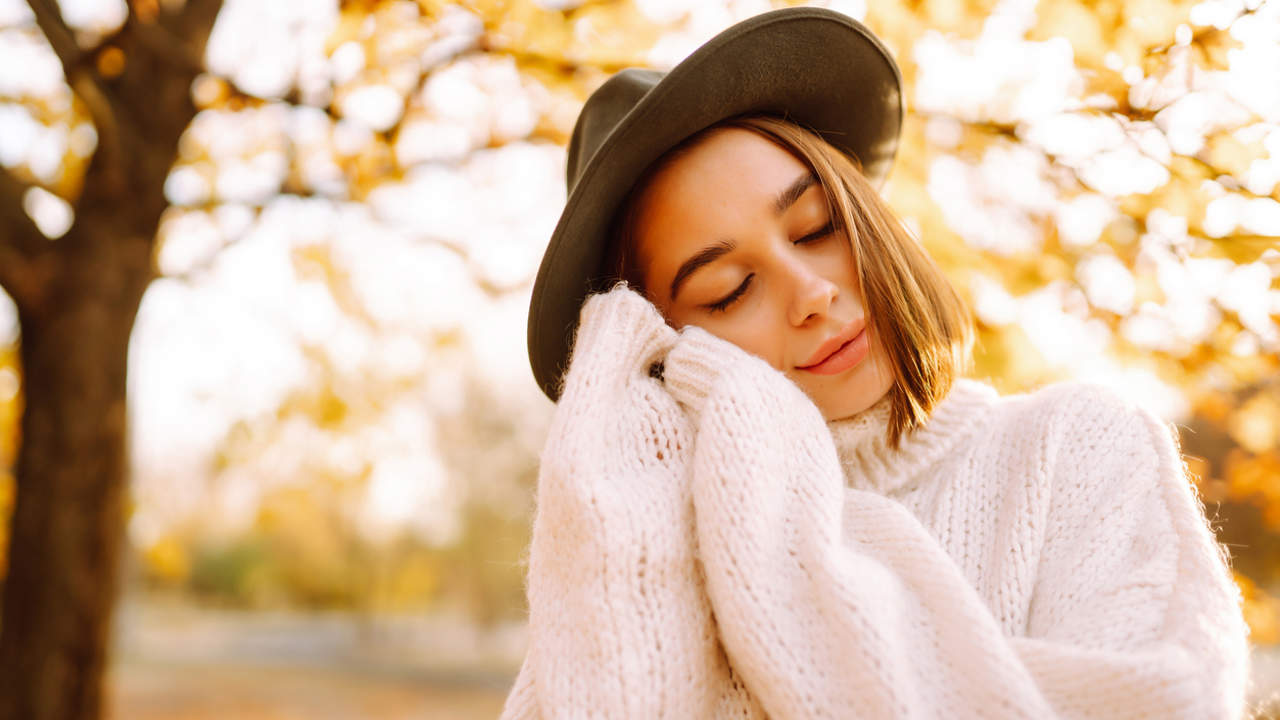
(924, 325)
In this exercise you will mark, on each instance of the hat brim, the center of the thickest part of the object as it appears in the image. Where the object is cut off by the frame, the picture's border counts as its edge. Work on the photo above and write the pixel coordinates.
(816, 67)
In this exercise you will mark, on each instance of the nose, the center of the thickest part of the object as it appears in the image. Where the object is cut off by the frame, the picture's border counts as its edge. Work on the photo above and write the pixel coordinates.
(812, 296)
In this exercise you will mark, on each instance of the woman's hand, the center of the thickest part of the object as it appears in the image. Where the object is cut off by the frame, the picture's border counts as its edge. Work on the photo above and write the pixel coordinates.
(618, 614)
(618, 440)
(727, 390)
(767, 490)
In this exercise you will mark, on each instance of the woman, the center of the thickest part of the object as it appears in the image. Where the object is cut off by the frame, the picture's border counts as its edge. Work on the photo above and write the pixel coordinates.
(767, 493)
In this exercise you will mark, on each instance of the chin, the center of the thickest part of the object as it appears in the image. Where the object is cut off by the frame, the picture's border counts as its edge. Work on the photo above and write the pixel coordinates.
(850, 398)
(851, 392)
(838, 410)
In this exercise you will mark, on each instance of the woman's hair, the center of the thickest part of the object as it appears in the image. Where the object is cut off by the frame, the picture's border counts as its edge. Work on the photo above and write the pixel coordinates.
(924, 325)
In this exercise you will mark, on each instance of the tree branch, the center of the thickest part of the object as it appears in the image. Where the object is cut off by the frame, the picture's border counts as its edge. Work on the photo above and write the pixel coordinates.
(60, 37)
(83, 80)
(194, 23)
(1204, 33)
(21, 242)
(22, 233)
(161, 41)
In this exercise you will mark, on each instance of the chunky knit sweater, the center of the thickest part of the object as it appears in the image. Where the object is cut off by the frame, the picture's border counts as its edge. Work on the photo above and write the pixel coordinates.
(705, 545)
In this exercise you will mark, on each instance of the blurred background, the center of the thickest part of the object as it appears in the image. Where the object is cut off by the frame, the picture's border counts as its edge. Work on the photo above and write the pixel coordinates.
(332, 431)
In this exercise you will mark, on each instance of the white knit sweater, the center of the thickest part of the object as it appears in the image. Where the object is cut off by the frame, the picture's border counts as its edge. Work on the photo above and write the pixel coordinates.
(705, 545)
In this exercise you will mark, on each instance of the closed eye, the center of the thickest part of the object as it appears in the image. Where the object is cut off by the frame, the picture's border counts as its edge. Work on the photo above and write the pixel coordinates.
(724, 303)
(731, 298)
(818, 234)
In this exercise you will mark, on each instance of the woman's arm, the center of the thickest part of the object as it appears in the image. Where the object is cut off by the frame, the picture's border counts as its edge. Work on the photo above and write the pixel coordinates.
(831, 608)
(521, 703)
(1134, 604)
(619, 622)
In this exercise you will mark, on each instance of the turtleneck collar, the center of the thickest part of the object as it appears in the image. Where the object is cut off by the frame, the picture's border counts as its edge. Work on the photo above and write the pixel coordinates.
(868, 461)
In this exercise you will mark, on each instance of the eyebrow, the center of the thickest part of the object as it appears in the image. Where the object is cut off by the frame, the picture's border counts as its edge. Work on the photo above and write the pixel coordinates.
(785, 200)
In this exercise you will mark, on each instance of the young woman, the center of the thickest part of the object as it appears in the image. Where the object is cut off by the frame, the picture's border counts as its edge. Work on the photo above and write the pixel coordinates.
(767, 491)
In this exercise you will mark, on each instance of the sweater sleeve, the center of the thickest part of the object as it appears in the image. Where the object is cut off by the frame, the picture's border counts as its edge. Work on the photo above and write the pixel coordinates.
(619, 622)
(521, 702)
(835, 605)
(1134, 601)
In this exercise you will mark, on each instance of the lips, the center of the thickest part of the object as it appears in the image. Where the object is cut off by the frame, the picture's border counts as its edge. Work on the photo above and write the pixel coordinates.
(834, 343)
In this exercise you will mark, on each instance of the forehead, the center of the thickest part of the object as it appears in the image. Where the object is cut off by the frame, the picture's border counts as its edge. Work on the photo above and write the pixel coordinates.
(757, 167)
(727, 178)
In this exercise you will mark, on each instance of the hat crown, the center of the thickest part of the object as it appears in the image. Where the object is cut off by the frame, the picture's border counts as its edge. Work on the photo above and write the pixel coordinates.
(603, 111)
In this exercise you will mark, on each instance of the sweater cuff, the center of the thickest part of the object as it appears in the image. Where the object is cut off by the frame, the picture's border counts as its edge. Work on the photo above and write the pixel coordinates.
(694, 365)
(619, 334)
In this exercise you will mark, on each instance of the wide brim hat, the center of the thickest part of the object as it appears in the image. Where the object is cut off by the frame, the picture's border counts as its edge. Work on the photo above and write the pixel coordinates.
(818, 68)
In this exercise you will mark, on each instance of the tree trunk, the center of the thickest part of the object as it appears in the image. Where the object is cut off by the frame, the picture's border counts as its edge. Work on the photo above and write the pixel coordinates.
(68, 515)
(77, 299)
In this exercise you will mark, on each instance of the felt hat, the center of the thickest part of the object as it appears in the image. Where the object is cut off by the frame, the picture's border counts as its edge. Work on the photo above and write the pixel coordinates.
(815, 67)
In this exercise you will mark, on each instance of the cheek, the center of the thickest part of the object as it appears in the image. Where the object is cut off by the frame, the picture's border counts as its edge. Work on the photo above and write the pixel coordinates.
(751, 334)
(882, 370)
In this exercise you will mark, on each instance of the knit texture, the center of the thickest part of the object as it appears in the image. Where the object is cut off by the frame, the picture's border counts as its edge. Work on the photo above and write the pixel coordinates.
(706, 546)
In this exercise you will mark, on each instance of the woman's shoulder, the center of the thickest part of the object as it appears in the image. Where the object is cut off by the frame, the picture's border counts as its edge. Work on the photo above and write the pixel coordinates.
(1071, 406)
(1073, 422)
(1084, 428)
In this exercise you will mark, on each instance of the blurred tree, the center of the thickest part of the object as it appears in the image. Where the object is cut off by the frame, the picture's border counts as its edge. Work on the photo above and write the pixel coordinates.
(76, 299)
(10, 409)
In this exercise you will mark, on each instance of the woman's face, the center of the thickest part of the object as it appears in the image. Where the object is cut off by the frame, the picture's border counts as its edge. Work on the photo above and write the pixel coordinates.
(735, 236)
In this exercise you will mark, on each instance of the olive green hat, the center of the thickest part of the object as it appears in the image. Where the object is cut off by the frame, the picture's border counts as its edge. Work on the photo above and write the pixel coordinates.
(815, 67)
